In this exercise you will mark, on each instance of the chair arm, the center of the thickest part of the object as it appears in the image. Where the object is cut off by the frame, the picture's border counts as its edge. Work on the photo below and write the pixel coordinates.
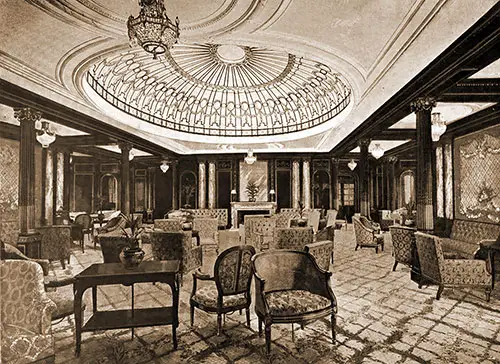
(198, 274)
(459, 269)
(260, 295)
(45, 307)
(54, 282)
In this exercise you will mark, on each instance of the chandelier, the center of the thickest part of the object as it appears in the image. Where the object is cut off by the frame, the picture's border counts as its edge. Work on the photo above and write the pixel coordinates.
(44, 136)
(377, 151)
(250, 158)
(152, 29)
(352, 164)
(438, 126)
(164, 166)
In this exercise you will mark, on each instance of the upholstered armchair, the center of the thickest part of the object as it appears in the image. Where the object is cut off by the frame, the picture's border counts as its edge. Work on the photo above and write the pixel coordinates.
(171, 225)
(403, 245)
(283, 218)
(295, 238)
(207, 228)
(248, 220)
(290, 287)
(56, 243)
(26, 312)
(177, 246)
(367, 237)
(313, 220)
(115, 224)
(229, 288)
(262, 232)
(450, 272)
(370, 224)
(322, 251)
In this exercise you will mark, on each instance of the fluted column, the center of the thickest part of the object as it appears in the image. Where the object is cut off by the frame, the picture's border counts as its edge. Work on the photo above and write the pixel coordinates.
(211, 185)
(125, 178)
(335, 183)
(363, 176)
(48, 194)
(151, 192)
(202, 185)
(175, 185)
(59, 180)
(67, 180)
(27, 118)
(295, 183)
(393, 191)
(306, 183)
(423, 108)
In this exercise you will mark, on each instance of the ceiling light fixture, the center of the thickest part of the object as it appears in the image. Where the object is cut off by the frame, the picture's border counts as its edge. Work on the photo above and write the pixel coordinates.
(44, 136)
(164, 166)
(352, 164)
(152, 29)
(438, 126)
(377, 151)
(250, 158)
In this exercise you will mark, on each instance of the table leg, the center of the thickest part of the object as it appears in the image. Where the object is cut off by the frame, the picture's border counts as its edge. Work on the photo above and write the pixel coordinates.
(78, 319)
(94, 299)
(175, 299)
(492, 254)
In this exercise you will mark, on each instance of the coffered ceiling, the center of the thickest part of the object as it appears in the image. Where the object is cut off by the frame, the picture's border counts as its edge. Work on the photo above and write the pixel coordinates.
(376, 47)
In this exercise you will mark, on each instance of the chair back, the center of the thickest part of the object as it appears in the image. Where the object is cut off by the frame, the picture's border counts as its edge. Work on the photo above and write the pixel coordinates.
(84, 220)
(172, 225)
(295, 238)
(403, 244)
(361, 232)
(207, 227)
(111, 247)
(167, 245)
(313, 220)
(233, 270)
(331, 217)
(430, 256)
(248, 223)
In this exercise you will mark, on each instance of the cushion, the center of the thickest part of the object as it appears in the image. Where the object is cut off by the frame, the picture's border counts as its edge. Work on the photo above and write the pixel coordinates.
(207, 296)
(23, 346)
(295, 302)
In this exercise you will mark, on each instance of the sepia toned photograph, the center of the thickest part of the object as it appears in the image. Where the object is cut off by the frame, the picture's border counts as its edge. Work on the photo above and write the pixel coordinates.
(249, 181)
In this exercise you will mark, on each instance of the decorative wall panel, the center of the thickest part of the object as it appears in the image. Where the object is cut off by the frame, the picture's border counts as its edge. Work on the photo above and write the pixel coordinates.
(440, 181)
(448, 181)
(49, 187)
(257, 173)
(59, 180)
(9, 192)
(477, 177)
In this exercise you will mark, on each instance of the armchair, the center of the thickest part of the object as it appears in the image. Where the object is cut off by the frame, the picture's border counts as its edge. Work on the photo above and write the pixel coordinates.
(283, 218)
(56, 243)
(84, 225)
(171, 225)
(208, 230)
(295, 238)
(177, 246)
(367, 237)
(290, 287)
(230, 287)
(262, 232)
(403, 245)
(26, 314)
(450, 272)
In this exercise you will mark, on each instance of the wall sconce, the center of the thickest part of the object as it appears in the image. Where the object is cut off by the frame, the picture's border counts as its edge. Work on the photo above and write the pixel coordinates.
(438, 126)
(352, 164)
(233, 195)
(377, 151)
(44, 136)
(272, 193)
(250, 158)
(131, 155)
(164, 166)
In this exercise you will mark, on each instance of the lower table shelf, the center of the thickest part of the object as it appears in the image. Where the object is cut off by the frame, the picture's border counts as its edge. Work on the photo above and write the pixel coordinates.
(120, 319)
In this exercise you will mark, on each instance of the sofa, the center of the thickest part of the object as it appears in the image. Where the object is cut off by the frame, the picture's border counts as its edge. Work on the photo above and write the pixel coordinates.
(466, 236)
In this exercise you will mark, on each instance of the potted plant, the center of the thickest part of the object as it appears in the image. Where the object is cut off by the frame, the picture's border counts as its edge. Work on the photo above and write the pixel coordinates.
(410, 216)
(132, 255)
(252, 189)
(187, 217)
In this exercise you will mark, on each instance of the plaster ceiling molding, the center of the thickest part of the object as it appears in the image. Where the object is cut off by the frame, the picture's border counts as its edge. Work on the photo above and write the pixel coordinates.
(221, 91)
(450, 112)
(491, 71)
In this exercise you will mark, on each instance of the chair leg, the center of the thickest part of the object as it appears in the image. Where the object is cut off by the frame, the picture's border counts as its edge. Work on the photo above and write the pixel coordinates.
(356, 248)
(440, 290)
(334, 323)
(192, 315)
(63, 264)
(395, 265)
(260, 326)
(219, 323)
(488, 294)
(376, 250)
(248, 316)
(268, 338)
(293, 334)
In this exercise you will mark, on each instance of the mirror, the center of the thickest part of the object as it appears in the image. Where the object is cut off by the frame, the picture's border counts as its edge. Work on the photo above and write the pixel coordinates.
(321, 190)
(109, 192)
(407, 188)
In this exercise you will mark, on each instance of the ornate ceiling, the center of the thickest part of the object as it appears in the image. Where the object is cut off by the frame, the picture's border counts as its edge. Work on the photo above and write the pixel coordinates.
(363, 50)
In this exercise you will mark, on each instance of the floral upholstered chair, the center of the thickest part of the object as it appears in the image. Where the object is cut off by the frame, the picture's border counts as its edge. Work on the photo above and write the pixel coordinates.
(178, 245)
(56, 243)
(263, 232)
(250, 238)
(229, 288)
(367, 237)
(290, 287)
(295, 238)
(283, 218)
(172, 225)
(207, 228)
(322, 251)
(403, 245)
(26, 310)
(450, 272)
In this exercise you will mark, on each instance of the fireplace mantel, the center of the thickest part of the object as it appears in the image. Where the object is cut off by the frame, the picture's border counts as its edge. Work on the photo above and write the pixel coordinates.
(250, 206)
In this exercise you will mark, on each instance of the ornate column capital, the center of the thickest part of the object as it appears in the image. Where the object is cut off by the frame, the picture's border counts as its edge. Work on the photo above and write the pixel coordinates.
(391, 159)
(125, 146)
(27, 114)
(423, 103)
(364, 142)
(335, 160)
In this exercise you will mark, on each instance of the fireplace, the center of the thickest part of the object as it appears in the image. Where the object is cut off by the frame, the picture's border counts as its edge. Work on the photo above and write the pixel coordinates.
(240, 209)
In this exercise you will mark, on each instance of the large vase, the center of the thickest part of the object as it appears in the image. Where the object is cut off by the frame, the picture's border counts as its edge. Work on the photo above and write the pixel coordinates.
(131, 257)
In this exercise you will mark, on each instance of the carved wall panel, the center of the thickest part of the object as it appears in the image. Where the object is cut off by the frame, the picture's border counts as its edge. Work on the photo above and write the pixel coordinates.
(477, 177)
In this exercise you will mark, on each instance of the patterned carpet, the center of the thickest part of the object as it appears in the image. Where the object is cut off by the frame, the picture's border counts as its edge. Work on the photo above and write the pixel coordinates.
(383, 318)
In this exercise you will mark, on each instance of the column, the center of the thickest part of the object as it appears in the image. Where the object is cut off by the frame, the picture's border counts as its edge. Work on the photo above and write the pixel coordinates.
(393, 190)
(202, 184)
(424, 178)
(335, 183)
(151, 192)
(27, 118)
(306, 182)
(59, 180)
(175, 184)
(363, 176)
(67, 180)
(48, 194)
(211, 185)
(125, 178)
(295, 183)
